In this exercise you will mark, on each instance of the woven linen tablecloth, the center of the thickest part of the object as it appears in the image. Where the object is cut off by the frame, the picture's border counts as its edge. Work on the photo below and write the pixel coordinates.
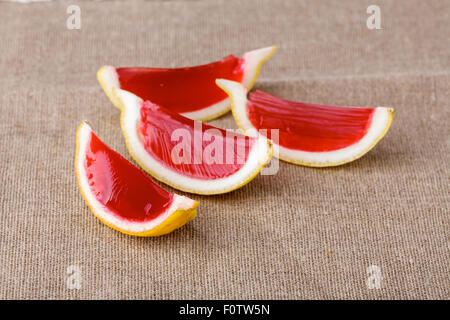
(376, 228)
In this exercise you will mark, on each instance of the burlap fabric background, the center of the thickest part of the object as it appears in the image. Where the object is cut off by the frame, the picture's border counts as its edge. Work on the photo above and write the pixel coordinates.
(303, 233)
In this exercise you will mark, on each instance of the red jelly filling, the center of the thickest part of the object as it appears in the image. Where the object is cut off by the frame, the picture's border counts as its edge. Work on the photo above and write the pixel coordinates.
(120, 186)
(182, 89)
(308, 127)
(190, 147)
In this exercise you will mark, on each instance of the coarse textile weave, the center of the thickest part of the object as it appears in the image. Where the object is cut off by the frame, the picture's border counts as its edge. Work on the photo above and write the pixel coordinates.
(377, 228)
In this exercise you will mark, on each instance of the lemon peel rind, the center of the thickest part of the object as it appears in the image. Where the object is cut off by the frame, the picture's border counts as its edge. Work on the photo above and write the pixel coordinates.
(253, 64)
(259, 156)
(181, 210)
(108, 79)
(380, 124)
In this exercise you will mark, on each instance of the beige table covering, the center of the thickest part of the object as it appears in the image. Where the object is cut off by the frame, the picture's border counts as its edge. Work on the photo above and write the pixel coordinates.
(301, 234)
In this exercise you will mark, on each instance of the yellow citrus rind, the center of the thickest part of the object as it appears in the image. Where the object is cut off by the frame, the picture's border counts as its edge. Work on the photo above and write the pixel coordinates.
(269, 55)
(109, 93)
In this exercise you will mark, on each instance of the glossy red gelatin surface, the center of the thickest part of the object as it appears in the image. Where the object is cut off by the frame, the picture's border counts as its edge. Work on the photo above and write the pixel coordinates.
(211, 152)
(120, 186)
(182, 89)
(308, 127)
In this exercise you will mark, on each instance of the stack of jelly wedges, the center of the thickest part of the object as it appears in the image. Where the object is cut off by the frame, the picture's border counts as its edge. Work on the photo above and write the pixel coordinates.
(161, 114)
